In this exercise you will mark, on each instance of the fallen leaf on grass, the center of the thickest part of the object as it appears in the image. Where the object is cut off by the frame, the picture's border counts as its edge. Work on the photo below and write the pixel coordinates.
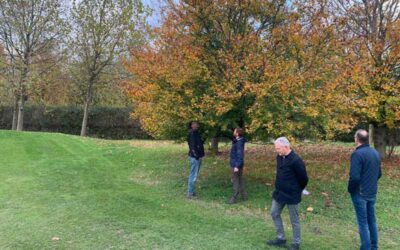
(310, 209)
(55, 238)
(328, 202)
(317, 230)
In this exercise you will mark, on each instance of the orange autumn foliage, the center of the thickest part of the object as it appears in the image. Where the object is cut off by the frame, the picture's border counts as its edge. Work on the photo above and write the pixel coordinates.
(276, 69)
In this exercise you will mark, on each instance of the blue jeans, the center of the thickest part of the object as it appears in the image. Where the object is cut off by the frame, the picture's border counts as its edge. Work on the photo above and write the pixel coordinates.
(194, 171)
(365, 213)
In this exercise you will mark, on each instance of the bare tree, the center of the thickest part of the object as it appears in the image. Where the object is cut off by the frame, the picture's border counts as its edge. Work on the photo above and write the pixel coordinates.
(28, 28)
(102, 30)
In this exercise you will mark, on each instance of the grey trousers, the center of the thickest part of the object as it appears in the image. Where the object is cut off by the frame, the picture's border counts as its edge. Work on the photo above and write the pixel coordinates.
(276, 211)
(238, 184)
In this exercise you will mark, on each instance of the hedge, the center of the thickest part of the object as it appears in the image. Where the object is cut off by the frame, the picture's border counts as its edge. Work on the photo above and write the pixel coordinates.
(104, 122)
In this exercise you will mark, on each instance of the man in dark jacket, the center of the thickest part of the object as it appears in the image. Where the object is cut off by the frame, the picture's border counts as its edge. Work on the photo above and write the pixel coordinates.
(196, 152)
(365, 170)
(237, 164)
(291, 179)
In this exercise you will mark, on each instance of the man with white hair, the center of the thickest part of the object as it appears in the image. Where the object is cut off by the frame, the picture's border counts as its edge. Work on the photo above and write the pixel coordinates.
(291, 179)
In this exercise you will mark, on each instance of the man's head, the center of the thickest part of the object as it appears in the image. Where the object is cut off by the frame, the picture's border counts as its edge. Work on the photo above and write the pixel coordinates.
(361, 137)
(238, 132)
(193, 125)
(282, 146)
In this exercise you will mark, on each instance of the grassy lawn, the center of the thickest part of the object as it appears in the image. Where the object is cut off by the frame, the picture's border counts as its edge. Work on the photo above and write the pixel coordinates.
(66, 192)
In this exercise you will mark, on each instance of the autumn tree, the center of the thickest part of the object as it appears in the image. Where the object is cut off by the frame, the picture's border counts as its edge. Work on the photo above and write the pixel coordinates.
(27, 29)
(371, 30)
(102, 31)
(200, 65)
(275, 68)
(4, 91)
(50, 81)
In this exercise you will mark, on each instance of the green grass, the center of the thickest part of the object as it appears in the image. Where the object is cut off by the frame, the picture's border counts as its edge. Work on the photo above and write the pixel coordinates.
(97, 194)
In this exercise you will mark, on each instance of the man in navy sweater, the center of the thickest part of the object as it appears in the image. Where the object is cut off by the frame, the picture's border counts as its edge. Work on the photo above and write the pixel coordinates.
(237, 164)
(291, 179)
(365, 170)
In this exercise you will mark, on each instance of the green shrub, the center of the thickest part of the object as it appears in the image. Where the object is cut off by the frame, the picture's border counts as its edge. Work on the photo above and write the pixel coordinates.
(104, 122)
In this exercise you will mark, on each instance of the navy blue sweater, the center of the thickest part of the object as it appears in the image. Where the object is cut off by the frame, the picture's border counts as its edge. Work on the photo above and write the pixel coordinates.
(291, 179)
(365, 170)
(237, 153)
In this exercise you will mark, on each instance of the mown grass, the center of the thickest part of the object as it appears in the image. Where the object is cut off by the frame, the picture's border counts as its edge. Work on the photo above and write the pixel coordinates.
(97, 194)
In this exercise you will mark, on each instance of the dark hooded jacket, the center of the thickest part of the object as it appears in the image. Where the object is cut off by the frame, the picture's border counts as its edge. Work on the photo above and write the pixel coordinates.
(291, 179)
(196, 147)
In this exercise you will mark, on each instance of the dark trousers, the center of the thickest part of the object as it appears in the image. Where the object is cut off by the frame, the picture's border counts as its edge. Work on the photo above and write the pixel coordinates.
(238, 184)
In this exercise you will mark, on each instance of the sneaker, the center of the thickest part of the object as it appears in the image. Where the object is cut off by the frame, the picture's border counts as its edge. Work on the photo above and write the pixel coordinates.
(277, 242)
(294, 247)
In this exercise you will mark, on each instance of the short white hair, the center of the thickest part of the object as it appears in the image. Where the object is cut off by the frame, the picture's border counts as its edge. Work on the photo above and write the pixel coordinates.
(282, 141)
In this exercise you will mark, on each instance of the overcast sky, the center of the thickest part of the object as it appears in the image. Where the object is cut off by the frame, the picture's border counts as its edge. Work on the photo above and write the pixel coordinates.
(154, 19)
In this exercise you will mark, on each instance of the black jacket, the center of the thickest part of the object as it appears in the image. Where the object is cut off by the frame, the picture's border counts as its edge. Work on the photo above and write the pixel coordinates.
(237, 153)
(365, 170)
(196, 148)
(291, 179)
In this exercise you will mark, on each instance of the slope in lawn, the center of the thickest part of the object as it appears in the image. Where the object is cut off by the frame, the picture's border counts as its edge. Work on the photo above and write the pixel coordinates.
(67, 192)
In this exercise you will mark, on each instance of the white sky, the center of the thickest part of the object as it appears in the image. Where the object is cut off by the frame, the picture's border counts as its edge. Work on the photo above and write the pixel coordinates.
(154, 19)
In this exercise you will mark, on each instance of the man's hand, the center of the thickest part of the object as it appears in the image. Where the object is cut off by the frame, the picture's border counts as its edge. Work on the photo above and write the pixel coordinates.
(236, 170)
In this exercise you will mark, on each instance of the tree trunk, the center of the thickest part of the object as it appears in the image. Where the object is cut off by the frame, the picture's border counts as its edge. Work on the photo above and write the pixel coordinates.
(371, 134)
(20, 123)
(380, 140)
(214, 145)
(86, 107)
(22, 95)
(15, 114)
(85, 118)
